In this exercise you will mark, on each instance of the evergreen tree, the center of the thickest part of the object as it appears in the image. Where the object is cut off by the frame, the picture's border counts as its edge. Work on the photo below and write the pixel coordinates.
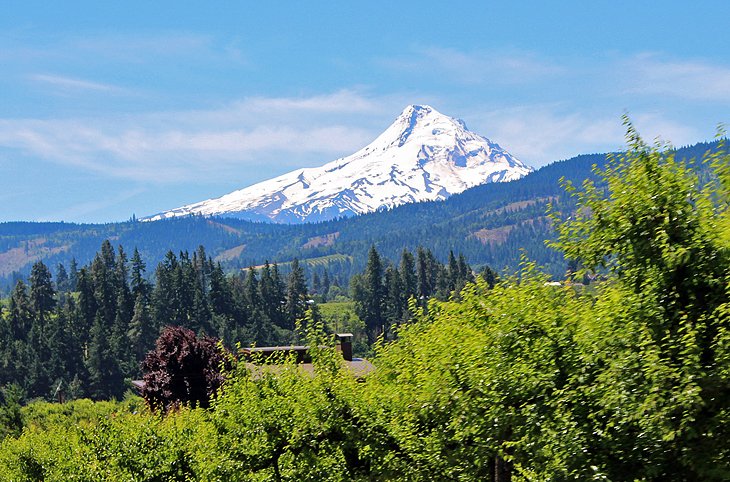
(325, 283)
(75, 336)
(104, 283)
(395, 301)
(296, 294)
(87, 304)
(409, 280)
(452, 273)
(138, 283)
(20, 314)
(73, 275)
(165, 293)
(125, 302)
(251, 291)
(142, 331)
(423, 274)
(221, 298)
(372, 313)
(62, 281)
(42, 294)
(316, 284)
(105, 378)
(278, 293)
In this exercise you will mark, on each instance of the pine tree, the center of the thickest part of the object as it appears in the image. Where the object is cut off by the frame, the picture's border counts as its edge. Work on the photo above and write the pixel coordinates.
(423, 274)
(104, 283)
(409, 280)
(452, 272)
(142, 331)
(105, 378)
(138, 283)
(296, 294)
(125, 302)
(395, 301)
(278, 294)
(42, 294)
(316, 284)
(325, 284)
(220, 295)
(76, 337)
(62, 282)
(165, 294)
(73, 275)
(20, 314)
(87, 304)
(251, 291)
(374, 296)
(465, 272)
(271, 295)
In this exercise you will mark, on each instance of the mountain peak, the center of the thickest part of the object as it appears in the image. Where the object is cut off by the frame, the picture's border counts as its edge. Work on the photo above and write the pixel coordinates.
(423, 155)
(417, 109)
(419, 122)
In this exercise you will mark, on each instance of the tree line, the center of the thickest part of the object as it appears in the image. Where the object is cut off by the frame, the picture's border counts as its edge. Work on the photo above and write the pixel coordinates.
(89, 330)
(383, 292)
(86, 332)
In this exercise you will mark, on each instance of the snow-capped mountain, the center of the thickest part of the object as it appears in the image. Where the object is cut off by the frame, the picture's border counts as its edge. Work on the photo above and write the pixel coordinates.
(423, 156)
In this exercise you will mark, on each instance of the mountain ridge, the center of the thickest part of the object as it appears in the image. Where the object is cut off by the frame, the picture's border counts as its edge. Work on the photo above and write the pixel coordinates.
(422, 156)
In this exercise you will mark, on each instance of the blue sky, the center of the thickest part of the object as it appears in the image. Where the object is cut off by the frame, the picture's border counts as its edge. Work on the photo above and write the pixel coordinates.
(110, 110)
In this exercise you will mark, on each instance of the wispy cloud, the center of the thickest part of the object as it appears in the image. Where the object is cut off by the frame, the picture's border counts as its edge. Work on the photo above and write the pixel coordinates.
(189, 145)
(62, 82)
(475, 67)
(84, 210)
(539, 134)
(689, 79)
(343, 101)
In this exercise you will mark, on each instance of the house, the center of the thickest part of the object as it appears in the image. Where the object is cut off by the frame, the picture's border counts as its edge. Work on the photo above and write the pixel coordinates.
(359, 367)
(266, 356)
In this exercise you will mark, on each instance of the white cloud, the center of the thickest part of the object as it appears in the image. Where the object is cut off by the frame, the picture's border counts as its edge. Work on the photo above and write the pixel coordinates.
(540, 134)
(688, 79)
(343, 101)
(211, 144)
(62, 82)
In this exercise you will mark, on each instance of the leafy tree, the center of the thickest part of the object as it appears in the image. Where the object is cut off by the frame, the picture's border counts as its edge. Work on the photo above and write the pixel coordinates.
(182, 370)
(656, 230)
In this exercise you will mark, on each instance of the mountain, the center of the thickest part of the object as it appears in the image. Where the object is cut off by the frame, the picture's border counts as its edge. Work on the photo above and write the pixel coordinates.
(423, 156)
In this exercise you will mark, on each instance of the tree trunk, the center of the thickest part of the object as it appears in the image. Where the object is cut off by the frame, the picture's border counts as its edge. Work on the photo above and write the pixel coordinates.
(502, 470)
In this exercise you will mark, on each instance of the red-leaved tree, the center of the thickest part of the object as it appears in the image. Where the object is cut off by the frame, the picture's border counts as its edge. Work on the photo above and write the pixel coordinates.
(183, 370)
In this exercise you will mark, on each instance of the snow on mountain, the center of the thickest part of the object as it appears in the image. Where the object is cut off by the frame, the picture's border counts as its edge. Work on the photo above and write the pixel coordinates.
(423, 156)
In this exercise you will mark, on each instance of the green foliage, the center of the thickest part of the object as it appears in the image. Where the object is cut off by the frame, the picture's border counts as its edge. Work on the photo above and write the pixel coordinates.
(11, 416)
(518, 379)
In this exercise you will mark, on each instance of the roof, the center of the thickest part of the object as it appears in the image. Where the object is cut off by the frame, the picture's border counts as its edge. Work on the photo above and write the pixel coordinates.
(358, 367)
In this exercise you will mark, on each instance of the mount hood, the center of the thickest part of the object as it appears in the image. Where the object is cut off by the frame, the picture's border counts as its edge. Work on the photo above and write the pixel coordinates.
(423, 156)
